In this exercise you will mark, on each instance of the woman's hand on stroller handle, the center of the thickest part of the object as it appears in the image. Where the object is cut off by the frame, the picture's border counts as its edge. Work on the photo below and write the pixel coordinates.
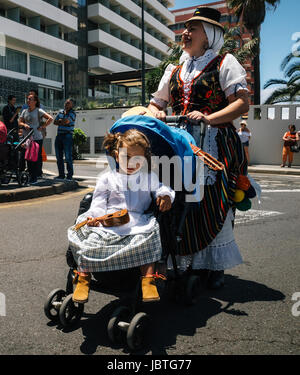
(164, 203)
(195, 118)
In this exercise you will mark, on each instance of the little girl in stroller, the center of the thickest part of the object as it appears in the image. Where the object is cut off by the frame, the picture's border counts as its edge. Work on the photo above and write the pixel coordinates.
(130, 185)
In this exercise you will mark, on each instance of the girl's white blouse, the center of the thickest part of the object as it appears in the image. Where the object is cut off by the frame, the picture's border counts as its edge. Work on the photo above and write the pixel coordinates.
(116, 191)
(232, 76)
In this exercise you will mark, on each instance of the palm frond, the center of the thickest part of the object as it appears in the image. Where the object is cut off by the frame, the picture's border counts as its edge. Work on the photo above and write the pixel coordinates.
(286, 61)
(273, 3)
(285, 94)
(293, 68)
(279, 96)
(294, 80)
(274, 81)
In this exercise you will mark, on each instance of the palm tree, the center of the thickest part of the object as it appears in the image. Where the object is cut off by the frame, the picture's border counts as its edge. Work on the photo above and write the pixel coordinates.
(290, 91)
(233, 44)
(252, 13)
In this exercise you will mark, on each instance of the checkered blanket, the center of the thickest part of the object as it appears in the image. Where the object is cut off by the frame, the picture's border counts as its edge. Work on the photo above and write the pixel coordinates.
(96, 250)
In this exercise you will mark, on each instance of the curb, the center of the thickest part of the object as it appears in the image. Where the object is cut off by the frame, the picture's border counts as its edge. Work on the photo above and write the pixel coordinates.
(37, 191)
(274, 171)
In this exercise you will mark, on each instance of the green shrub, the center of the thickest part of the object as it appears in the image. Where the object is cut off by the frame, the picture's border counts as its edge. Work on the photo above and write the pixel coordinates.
(79, 138)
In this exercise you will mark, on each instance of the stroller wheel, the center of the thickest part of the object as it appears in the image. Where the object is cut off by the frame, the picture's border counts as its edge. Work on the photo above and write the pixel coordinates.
(192, 289)
(118, 324)
(137, 331)
(53, 304)
(23, 178)
(70, 312)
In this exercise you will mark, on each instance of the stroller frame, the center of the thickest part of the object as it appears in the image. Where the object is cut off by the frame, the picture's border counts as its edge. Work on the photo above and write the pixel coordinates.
(10, 157)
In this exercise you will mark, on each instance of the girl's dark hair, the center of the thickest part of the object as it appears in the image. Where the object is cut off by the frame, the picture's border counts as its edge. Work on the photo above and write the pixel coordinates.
(132, 137)
(36, 98)
(292, 127)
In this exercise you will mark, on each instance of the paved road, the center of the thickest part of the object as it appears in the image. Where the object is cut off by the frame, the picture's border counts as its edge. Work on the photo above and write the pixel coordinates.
(251, 315)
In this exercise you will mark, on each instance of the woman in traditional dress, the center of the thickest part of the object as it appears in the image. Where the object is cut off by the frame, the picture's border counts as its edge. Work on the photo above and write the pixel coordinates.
(212, 88)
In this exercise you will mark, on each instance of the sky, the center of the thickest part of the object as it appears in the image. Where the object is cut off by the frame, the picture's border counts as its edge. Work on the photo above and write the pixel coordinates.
(277, 31)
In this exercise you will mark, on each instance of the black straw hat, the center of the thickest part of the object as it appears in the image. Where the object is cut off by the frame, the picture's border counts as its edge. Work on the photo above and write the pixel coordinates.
(209, 15)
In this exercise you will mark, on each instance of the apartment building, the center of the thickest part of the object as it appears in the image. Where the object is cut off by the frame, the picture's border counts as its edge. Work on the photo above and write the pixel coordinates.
(228, 19)
(81, 48)
(35, 46)
(110, 44)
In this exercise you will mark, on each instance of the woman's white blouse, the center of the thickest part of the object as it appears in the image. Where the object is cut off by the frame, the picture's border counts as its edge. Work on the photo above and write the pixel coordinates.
(116, 191)
(244, 136)
(232, 76)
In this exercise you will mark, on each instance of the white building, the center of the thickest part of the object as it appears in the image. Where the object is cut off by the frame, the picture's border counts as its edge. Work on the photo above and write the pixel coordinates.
(80, 48)
(34, 47)
(117, 34)
(114, 38)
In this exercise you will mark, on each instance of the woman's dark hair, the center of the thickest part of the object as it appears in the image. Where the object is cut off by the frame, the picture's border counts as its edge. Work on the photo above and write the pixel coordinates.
(10, 97)
(292, 127)
(36, 98)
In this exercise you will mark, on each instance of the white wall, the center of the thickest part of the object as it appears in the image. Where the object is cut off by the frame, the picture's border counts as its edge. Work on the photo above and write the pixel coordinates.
(266, 142)
(265, 145)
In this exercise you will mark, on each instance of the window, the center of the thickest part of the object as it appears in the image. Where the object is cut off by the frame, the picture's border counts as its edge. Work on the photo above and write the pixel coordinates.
(98, 145)
(285, 113)
(271, 113)
(85, 147)
(45, 69)
(14, 60)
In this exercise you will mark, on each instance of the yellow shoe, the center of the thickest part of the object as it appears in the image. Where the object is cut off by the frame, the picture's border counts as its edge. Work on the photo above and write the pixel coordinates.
(149, 290)
(81, 292)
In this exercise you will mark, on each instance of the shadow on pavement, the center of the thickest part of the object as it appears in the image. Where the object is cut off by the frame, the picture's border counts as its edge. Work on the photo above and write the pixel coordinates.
(168, 320)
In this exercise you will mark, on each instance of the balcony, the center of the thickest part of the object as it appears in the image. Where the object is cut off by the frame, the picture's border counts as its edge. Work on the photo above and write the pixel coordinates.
(100, 38)
(99, 13)
(99, 64)
(47, 12)
(22, 36)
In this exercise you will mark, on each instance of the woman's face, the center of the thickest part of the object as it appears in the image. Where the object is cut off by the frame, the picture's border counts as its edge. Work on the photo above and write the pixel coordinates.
(194, 39)
(130, 158)
(30, 101)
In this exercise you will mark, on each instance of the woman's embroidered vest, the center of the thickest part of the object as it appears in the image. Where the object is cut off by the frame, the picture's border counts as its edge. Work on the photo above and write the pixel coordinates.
(205, 93)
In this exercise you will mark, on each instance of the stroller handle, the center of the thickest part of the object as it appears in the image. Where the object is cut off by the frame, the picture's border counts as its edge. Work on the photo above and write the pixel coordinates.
(24, 139)
(176, 120)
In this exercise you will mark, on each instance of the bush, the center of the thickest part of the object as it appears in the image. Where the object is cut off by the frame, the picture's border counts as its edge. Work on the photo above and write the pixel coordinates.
(79, 138)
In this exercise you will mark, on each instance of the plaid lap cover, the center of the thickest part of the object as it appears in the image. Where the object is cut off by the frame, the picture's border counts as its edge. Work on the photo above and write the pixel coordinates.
(95, 250)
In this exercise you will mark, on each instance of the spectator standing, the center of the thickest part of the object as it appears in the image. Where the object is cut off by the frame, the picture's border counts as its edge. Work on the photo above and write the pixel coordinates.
(43, 130)
(245, 135)
(290, 139)
(65, 120)
(30, 118)
(10, 115)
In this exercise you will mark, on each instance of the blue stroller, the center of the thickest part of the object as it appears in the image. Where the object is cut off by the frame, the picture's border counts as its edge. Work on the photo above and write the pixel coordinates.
(128, 322)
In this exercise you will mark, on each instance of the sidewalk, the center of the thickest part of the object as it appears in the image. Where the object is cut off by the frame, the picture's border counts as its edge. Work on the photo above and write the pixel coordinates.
(49, 186)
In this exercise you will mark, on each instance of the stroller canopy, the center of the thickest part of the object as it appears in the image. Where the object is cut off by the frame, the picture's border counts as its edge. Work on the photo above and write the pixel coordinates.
(165, 140)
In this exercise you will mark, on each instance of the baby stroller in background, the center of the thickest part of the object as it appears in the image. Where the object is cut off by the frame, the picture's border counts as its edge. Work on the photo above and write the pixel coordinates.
(11, 158)
(128, 321)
